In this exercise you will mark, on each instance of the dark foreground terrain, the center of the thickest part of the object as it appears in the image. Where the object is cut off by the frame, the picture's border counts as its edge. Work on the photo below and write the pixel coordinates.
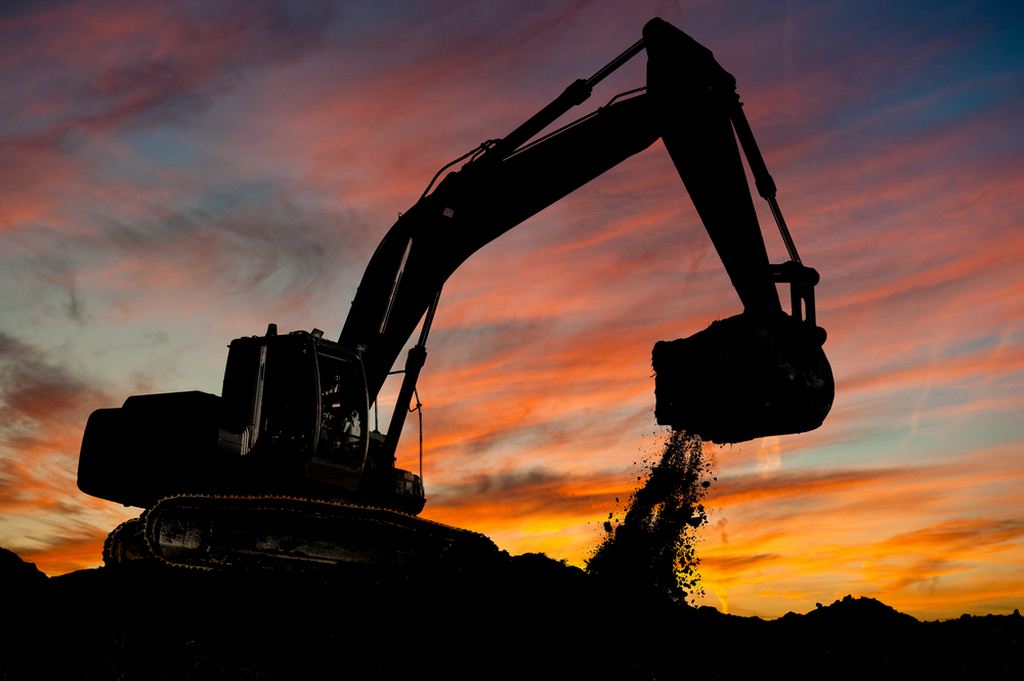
(500, 617)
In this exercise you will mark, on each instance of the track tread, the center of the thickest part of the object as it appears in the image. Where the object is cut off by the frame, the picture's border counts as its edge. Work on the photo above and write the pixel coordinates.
(419, 539)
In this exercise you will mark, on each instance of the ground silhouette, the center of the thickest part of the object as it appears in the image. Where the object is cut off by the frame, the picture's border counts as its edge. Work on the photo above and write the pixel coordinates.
(499, 617)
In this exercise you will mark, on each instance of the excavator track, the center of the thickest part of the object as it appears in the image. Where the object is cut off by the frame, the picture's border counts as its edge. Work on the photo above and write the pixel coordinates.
(216, 532)
(126, 544)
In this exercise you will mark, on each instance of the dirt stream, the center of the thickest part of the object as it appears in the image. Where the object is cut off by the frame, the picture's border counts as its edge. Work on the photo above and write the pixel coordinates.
(655, 543)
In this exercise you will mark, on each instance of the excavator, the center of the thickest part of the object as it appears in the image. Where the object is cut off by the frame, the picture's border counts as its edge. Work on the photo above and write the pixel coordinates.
(281, 470)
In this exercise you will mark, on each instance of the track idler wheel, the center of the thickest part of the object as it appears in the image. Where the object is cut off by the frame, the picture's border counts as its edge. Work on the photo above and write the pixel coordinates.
(126, 545)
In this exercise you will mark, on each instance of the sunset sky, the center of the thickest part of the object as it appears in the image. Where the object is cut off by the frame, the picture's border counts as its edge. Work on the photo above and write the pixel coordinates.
(177, 174)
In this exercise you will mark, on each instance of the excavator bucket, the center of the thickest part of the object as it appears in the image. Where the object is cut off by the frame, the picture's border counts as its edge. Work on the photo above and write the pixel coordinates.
(744, 378)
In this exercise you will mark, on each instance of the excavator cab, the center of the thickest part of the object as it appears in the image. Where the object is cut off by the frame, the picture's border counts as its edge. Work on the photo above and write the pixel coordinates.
(297, 405)
(296, 401)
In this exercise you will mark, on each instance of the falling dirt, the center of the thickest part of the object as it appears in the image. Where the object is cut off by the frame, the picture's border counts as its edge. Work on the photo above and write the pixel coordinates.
(655, 542)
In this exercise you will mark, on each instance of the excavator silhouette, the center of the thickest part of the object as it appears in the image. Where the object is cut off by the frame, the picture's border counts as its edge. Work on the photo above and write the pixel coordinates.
(280, 470)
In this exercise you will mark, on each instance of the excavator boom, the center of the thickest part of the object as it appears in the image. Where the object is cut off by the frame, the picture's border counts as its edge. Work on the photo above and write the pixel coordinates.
(690, 103)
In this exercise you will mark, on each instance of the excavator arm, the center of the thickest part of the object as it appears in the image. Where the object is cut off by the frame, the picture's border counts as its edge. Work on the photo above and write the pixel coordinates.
(690, 103)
